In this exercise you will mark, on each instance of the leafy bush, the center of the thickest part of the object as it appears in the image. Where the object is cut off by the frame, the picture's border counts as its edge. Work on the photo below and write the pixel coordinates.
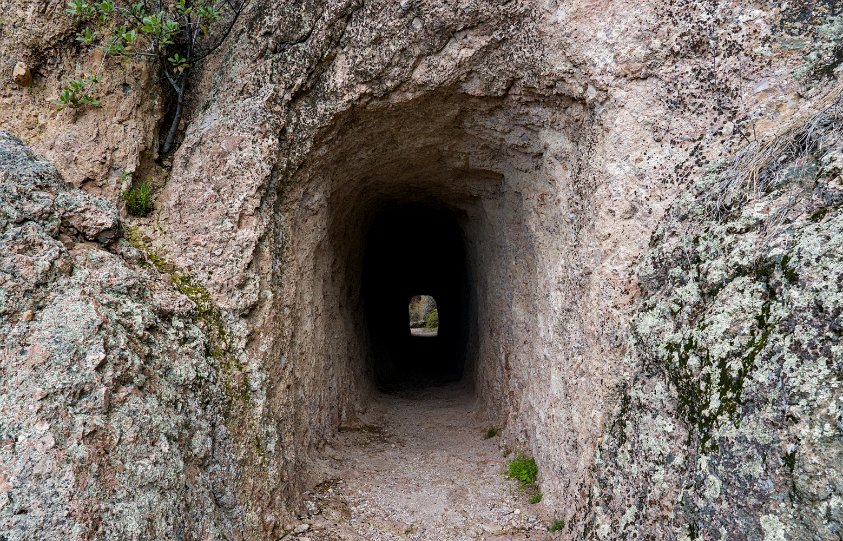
(76, 94)
(138, 199)
(432, 320)
(557, 525)
(523, 469)
(177, 34)
(536, 498)
(491, 433)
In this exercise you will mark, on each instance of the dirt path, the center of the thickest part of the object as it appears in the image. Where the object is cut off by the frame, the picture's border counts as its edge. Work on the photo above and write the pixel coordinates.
(417, 468)
(423, 332)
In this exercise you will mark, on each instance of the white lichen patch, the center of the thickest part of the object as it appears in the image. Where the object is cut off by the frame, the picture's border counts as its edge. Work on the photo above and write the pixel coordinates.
(712, 487)
(773, 528)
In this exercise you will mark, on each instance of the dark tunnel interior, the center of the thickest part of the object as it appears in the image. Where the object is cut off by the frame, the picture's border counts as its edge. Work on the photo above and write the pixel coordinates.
(414, 249)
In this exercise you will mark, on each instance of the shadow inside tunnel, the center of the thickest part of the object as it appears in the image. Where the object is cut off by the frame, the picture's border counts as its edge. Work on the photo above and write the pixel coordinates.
(411, 248)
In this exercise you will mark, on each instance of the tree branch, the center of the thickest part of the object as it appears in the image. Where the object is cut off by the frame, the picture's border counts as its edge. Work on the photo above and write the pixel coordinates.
(169, 142)
(173, 82)
(228, 29)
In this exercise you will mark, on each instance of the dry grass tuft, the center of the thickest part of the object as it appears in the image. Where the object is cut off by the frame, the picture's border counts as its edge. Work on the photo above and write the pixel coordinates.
(762, 165)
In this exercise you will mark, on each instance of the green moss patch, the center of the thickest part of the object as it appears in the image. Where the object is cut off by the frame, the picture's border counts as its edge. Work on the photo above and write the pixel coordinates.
(208, 317)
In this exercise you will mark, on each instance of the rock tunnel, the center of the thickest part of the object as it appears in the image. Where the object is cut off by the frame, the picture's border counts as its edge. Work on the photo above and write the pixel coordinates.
(544, 170)
(446, 195)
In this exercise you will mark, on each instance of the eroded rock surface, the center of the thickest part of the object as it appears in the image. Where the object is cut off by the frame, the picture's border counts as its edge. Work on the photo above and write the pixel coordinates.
(111, 424)
(731, 421)
(556, 135)
(101, 149)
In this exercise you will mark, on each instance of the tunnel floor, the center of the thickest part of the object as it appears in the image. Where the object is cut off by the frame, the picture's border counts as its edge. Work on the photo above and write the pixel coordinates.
(418, 466)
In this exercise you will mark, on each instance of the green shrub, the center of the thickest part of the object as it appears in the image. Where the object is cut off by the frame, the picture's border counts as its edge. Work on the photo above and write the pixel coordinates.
(536, 498)
(491, 433)
(557, 525)
(77, 93)
(432, 320)
(138, 199)
(523, 469)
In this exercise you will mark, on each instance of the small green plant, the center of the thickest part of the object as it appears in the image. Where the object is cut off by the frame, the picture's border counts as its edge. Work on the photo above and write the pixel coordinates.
(77, 93)
(432, 320)
(174, 34)
(87, 36)
(138, 199)
(557, 525)
(81, 9)
(523, 469)
(491, 433)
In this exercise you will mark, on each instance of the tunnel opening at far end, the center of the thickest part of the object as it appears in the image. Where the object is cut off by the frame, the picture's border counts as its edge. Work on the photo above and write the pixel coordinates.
(413, 249)
(424, 316)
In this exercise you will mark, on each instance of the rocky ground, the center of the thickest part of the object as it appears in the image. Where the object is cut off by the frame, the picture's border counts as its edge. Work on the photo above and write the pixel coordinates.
(417, 467)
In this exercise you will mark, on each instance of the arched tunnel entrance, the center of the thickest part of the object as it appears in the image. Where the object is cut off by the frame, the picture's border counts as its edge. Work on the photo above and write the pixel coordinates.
(411, 249)
(397, 201)
(461, 198)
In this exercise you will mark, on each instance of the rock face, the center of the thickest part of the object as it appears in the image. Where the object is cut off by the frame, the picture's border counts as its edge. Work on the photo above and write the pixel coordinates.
(420, 308)
(732, 413)
(21, 75)
(112, 413)
(101, 150)
(555, 135)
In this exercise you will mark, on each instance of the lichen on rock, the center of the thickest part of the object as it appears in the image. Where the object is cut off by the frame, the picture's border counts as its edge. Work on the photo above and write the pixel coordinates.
(739, 323)
(112, 424)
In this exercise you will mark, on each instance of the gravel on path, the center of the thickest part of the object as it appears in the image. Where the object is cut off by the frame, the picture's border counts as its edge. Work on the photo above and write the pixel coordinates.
(417, 467)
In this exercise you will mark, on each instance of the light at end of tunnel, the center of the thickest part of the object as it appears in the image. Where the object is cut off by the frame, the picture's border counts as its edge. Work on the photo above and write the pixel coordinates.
(424, 316)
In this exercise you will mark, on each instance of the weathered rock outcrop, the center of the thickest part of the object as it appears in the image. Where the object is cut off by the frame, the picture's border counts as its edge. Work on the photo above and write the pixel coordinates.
(731, 420)
(112, 411)
(103, 148)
